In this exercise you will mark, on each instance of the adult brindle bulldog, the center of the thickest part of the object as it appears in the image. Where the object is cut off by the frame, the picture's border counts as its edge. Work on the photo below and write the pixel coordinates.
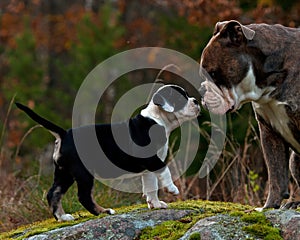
(259, 63)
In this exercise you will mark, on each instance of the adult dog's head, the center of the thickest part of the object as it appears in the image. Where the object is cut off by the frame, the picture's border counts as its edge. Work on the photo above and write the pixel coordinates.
(228, 68)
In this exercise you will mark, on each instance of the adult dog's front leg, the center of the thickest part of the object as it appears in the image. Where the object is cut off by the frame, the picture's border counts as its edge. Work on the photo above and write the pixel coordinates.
(150, 189)
(276, 154)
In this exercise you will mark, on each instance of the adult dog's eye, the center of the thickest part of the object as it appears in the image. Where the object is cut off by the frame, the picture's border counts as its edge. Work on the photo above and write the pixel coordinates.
(213, 74)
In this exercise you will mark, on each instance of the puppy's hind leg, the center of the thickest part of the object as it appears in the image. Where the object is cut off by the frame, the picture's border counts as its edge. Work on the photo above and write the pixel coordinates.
(62, 181)
(85, 183)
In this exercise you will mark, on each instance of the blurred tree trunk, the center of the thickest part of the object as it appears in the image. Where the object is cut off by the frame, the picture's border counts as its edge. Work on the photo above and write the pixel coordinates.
(50, 9)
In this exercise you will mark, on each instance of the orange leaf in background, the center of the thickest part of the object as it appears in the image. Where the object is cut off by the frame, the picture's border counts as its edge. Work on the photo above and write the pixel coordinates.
(16, 6)
(18, 159)
(10, 27)
(31, 104)
(36, 2)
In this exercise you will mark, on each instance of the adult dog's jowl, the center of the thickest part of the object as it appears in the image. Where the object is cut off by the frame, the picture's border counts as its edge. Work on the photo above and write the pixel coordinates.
(259, 63)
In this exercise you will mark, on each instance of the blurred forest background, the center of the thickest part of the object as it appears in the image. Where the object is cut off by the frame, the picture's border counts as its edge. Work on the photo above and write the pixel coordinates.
(48, 47)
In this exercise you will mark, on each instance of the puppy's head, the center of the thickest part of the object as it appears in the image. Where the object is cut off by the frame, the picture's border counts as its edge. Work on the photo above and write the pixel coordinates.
(174, 100)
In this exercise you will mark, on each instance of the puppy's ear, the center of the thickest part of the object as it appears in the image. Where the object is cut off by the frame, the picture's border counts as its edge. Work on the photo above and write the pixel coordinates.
(234, 31)
(159, 100)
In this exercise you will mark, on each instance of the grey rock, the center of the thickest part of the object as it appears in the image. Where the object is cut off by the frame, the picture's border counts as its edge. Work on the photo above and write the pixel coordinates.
(286, 220)
(219, 227)
(129, 226)
(225, 227)
(122, 226)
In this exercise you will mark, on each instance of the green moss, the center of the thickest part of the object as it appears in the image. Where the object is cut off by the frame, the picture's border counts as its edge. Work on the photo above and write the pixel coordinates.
(254, 217)
(201, 209)
(50, 224)
(263, 231)
(195, 236)
(260, 226)
(167, 230)
(126, 209)
(44, 226)
(210, 206)
(237, 214)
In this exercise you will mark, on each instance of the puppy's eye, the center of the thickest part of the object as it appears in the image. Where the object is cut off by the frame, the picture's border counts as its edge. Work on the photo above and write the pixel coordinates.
(56, 142)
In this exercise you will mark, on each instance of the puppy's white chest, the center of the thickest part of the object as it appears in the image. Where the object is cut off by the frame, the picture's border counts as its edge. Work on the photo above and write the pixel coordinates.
(162, 153)
(274, 113)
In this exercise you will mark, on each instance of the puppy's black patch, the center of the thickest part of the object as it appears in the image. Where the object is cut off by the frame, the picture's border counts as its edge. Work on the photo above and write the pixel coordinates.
(174, 96)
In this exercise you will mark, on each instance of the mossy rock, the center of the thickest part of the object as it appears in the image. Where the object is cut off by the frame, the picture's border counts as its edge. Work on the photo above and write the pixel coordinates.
(225, 220)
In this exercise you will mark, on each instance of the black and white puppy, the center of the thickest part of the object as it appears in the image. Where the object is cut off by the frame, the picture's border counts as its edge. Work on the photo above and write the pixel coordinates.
(169, 107)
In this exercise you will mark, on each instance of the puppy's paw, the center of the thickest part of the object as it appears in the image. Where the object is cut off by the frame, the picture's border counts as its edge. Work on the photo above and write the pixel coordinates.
(110, 211)
(172, 189)
(157, 204)
(66, 217)
(259, 209)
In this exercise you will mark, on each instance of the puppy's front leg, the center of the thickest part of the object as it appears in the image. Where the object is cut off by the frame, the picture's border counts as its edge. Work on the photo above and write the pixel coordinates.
(150, 188)
(165, 178)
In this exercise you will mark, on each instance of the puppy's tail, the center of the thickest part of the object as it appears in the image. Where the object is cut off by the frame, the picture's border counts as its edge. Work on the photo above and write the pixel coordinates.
(54, 129)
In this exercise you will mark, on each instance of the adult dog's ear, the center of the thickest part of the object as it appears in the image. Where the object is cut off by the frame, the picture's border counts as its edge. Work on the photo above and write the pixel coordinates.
(234, 32)
(160, 100)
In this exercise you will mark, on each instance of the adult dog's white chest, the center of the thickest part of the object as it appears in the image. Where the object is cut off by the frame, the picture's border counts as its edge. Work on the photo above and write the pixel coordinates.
(270, 109)
(274, 113)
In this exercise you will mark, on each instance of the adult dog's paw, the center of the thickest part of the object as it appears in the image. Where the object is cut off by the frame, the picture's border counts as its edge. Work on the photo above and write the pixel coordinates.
(291, 205)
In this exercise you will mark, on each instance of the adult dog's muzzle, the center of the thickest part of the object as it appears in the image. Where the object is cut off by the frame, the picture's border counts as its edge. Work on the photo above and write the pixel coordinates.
(215, 99)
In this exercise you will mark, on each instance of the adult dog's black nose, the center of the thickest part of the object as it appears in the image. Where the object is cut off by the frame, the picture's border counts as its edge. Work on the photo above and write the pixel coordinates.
(202, 90)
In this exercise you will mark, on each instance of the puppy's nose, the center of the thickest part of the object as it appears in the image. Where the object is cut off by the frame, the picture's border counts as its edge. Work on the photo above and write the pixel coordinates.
(195, 101)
